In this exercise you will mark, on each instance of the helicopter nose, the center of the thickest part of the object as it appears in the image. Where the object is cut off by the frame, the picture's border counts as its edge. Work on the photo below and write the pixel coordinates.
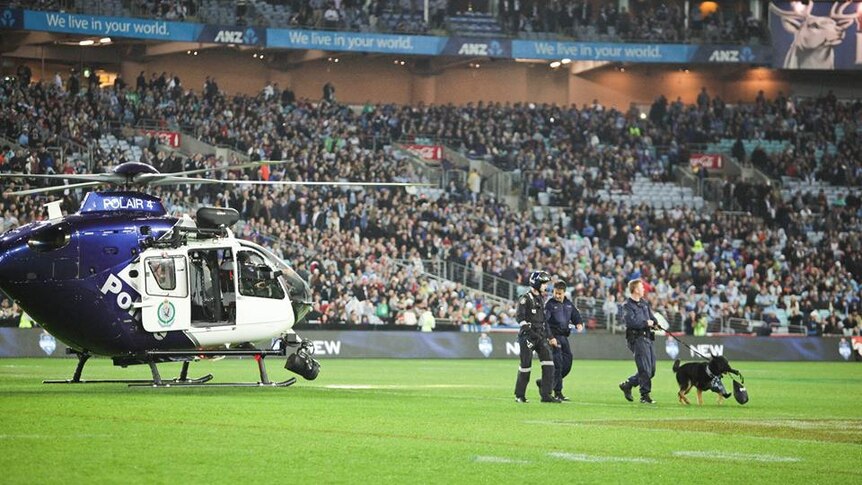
(5, 257)
(12, 249)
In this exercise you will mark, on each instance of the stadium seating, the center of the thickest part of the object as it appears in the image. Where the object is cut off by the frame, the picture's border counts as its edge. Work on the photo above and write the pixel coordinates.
(601, 212)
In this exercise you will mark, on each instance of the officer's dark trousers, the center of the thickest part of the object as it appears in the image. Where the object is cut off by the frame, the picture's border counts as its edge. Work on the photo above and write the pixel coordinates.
(544, 350)
(645, 361)
(562, 362)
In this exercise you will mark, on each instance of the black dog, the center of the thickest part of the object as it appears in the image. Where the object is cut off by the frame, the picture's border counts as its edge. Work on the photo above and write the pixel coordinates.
(705, 376)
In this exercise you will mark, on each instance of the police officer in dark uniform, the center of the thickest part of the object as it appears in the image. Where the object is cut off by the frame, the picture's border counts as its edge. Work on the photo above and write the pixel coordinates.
(561, 314)
(534, 337)
(639, 320)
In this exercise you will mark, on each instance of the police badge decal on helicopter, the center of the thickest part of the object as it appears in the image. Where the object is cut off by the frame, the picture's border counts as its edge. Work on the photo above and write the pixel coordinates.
(486, 346)
(167, 312)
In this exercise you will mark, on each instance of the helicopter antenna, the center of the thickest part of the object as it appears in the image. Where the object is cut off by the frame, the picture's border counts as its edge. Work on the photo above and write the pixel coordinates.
(54, 211)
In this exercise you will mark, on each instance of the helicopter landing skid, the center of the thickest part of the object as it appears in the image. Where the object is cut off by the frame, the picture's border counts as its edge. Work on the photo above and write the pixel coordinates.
(258, 355)
(286, 383)
(84, 356)
(134, 382)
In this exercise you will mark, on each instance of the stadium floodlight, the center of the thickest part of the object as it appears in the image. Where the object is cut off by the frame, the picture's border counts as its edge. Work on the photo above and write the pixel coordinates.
(86, 42)
(566, 61)
(105, 40)
(555, 64)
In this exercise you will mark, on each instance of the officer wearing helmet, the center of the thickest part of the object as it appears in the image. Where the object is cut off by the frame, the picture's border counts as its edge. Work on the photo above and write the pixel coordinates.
(535, 337)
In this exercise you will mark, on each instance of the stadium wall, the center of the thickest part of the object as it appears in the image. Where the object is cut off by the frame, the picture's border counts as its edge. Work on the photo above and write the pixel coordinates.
(376, 78)
(469, 345)
(359, 79)
(362, 78)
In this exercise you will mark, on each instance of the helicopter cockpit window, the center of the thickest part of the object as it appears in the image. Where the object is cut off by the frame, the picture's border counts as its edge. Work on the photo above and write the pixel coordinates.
(164, 272)
(54, 237)
(256, 278)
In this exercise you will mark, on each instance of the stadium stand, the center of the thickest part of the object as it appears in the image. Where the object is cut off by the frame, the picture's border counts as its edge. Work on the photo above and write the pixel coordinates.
(610, 211)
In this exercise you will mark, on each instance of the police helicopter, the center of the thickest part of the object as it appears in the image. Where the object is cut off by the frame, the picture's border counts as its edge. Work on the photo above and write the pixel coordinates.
(123, 279)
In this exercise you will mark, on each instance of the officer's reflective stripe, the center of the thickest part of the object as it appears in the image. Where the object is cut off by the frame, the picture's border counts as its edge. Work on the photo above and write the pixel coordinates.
(523, 323)
(525, 369)
(547, 362)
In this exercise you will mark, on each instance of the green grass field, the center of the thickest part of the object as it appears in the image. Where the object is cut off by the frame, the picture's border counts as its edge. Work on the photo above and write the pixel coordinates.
(419, 421)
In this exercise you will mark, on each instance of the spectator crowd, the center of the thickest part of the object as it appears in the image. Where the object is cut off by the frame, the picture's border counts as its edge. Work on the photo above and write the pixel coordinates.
(779, 260)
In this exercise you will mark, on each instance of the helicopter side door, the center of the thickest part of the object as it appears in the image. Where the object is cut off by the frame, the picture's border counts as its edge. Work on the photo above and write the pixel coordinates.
(165, 296)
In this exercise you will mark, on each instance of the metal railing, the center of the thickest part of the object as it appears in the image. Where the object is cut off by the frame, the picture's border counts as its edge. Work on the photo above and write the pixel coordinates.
(503, 290)
(596, 313)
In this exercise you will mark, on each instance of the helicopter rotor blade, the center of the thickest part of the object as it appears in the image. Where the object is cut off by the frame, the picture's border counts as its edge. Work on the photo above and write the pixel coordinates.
(97, 177)
(195, 180)
(55, 188)
(197, 171)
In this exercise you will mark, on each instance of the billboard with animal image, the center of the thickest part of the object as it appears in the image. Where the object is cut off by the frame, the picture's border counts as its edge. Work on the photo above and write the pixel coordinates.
(815, 35)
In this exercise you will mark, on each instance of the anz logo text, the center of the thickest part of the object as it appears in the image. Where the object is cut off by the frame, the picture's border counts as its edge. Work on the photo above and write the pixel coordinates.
(481, 49)
(732, 55)
(724, 56)
(473, 50)
(229, 36)
(236, 37)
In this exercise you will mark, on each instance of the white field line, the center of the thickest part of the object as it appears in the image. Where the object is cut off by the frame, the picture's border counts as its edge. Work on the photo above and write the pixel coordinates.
(363, 387)
(599, 459)
(8, 436)
(499, 459)
(832, 424)
(609, 422)
(718, 455)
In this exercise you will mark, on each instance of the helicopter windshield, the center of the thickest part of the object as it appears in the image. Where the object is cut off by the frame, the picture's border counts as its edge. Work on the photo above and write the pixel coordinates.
(298, 289)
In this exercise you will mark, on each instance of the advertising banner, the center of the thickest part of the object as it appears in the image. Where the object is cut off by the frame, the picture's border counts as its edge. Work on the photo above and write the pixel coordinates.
(711, 161)
(15, 342)
(784, 34)
(642, 53)
(101, 26)
(602, 51)
(815, 35)
(355, 42)
(170, 138)
(429, 153)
